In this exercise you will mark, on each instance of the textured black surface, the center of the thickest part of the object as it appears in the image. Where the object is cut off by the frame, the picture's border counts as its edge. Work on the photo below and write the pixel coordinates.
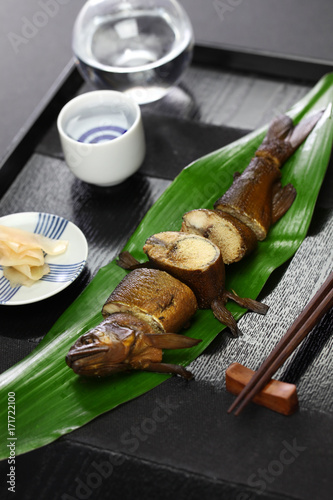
(172, 143)
(176, 441)
(196, 452)
(107, 216)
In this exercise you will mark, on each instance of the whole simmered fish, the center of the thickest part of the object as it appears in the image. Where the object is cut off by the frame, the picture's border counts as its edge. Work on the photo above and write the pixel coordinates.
(185, 269)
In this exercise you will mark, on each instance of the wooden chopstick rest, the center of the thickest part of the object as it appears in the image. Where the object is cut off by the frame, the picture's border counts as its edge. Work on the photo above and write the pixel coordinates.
(318, 306)
(277, 396)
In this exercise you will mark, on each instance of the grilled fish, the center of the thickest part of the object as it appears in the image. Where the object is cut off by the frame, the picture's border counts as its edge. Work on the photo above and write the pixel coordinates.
(233, 237)
(197, 262)
(162, 301)
(256, 197)
(149, 306)
(124, 342)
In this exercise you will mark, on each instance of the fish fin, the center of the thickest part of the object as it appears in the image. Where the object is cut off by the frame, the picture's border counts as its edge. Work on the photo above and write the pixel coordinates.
(171, 341)
(282, 201)
(128, 262)
(167, 368)
(251, 304)
(279, 128)
(224, 316)
(300, 132)
(283, 138)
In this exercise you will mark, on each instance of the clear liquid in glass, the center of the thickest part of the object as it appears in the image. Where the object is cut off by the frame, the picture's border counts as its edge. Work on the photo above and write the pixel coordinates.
(138, 52)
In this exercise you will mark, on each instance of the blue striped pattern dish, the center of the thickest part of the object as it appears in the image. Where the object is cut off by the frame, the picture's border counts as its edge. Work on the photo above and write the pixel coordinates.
(64, 268)
(63, 273)
(6, 291)
(51, 226)
(101, 134)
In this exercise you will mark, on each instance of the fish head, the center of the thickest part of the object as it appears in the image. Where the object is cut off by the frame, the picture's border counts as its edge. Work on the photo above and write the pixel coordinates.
(102, 351)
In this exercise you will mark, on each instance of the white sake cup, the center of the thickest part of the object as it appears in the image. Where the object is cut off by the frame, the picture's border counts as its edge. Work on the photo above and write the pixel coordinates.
(102, 137)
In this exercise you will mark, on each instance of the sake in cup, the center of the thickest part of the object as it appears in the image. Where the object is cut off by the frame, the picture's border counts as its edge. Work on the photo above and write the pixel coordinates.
(102, 137)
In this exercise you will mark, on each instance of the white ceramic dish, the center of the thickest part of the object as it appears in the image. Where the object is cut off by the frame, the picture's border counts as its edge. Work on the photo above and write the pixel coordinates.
(64, 269)
(102, 137)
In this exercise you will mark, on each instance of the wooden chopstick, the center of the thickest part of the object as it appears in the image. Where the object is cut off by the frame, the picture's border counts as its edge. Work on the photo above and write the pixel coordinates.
(313, 312)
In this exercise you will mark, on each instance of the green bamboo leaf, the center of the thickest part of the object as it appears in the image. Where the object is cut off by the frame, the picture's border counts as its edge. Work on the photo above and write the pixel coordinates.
(51, 399)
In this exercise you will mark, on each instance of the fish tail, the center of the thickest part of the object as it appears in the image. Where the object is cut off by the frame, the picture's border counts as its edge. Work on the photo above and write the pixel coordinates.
(283, 138)
(300, 132)
(279, 128)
